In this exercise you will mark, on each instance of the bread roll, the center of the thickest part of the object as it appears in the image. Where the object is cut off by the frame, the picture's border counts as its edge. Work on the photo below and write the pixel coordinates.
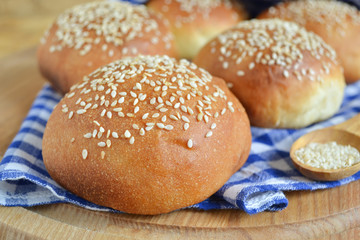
(194, 22)
(336, 22)
(284, 76)
(146, 135)
(91, 35)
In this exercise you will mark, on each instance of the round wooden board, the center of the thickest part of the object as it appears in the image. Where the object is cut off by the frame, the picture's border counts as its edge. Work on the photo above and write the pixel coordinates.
(323, 214)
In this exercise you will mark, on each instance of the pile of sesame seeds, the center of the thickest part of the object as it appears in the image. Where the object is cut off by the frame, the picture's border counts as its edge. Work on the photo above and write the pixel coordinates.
(195, 8)
(158, 93)
(329, 155)
(318, 12)
(272, 42)
(107, 23)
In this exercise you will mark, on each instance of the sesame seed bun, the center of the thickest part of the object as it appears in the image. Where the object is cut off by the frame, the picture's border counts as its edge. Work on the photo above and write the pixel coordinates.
(91, 35)
(284, 76)
(195, 22)
(146, 135)
(336, 22)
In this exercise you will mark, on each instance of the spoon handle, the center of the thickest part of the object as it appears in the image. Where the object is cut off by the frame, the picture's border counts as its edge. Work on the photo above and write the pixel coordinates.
(352, 125)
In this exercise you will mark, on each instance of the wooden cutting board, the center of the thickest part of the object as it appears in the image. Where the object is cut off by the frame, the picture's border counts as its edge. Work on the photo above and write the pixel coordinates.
(323, 214)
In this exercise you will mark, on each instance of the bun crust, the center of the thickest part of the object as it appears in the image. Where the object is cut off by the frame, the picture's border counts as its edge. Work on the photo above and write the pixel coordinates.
(337, 23)
(195, 22)
(94, 34)
(146, 135)
(284, 76)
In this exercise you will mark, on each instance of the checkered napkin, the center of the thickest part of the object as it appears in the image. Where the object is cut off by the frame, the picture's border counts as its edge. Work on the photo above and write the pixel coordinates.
(258, 186)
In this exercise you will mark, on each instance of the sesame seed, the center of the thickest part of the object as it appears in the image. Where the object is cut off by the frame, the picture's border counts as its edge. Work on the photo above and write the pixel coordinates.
(231, 108)
(190, 143)
(185, 119)
(88, 135)
(108, 142)
(186, 126)
(84, 153)
(132, 140)
(286, 73)
(213, 126)
(173, 117)
(142, 132)
(101, 144)
(190, 110)
(81, 111)
(160, 125)
(134, 95)
(209, 134)
(99, 134)
(155, 115)
(145, 116)
(115, 135)
(136, 109)
(240, 73)
(183, 108)
(87, 106)
(206, 118)
(148, 128)
(251, 65)
(102, 154)
(153, 101)
(142, 98)
(109, 114)
(94, 133)
(71, 114)
(127, 134)
(70, 95)
(200, 116)
(72, 140)
(169, 127)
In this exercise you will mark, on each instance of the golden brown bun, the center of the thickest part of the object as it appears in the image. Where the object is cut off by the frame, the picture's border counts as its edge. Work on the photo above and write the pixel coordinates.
(336, 22)
(284, 76)
(106, 31)
(200, 137)
(195, 22)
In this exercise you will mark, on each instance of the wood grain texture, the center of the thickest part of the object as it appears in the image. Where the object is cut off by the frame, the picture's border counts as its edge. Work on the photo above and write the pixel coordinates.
(332, 214)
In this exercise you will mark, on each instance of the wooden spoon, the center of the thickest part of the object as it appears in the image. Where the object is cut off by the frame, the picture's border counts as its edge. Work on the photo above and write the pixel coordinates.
(346, 133)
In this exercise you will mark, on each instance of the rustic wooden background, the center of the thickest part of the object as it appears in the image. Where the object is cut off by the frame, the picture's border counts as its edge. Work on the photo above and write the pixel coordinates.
(22, 22)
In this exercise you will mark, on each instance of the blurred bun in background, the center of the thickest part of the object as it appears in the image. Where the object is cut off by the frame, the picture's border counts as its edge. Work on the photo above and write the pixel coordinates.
(337, 23)
(195, 22)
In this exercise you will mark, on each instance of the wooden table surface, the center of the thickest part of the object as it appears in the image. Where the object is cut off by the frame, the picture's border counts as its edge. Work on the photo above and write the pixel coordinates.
(324, 214)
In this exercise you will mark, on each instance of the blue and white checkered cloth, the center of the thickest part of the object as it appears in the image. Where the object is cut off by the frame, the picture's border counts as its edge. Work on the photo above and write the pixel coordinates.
(258, 186)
